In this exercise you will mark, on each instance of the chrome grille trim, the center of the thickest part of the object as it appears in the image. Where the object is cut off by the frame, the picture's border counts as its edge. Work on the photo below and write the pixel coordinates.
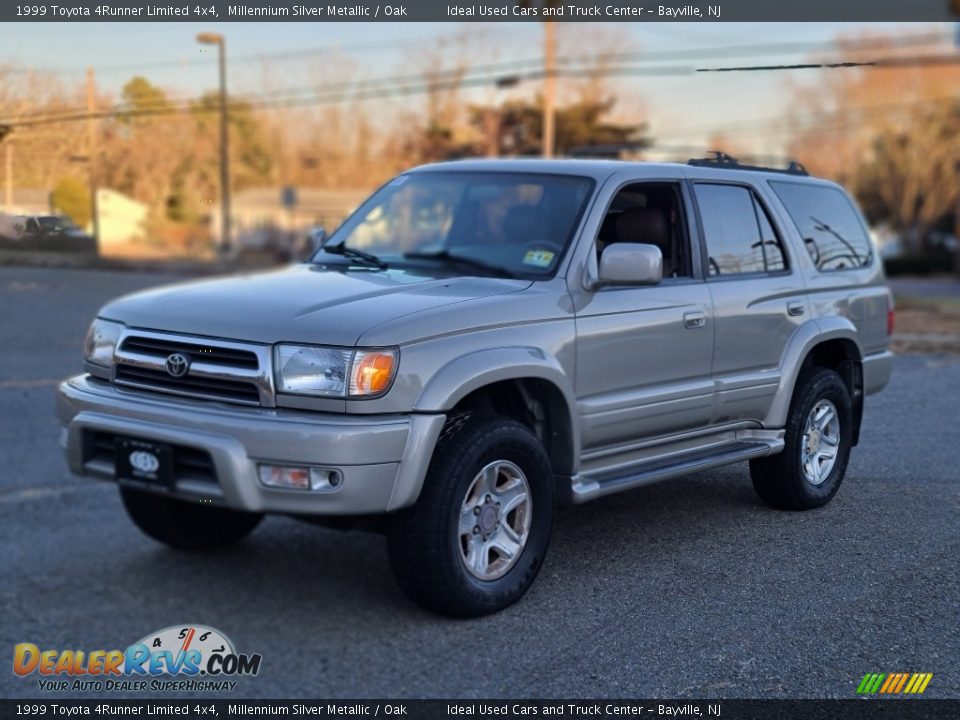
(238, 373)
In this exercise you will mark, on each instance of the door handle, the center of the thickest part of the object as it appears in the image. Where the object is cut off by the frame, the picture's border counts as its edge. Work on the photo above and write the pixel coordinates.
(694, 320)
(795, 308)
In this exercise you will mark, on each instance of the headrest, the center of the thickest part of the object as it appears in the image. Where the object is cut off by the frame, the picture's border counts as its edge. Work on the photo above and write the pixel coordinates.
(643, 225)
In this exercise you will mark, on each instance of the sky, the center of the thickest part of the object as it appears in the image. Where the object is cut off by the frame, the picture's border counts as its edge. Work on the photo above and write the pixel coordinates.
(681, 110)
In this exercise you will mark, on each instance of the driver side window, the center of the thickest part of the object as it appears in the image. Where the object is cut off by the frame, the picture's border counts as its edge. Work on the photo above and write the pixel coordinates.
(649, 213)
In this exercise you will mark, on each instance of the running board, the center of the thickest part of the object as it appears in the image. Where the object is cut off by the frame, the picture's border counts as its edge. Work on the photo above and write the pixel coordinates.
(590, 488)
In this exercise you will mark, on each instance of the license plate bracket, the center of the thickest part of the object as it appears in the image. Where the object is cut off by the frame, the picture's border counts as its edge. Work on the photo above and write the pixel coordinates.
(142, 461)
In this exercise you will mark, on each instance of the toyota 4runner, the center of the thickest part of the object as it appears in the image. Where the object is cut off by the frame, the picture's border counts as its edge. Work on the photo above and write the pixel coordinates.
(481, 340)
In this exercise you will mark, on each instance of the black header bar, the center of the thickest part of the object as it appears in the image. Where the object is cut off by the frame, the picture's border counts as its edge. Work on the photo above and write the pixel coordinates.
(470, 10)
(630, 709)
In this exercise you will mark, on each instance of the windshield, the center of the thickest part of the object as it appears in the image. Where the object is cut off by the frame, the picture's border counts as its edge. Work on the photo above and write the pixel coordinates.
(515, 223)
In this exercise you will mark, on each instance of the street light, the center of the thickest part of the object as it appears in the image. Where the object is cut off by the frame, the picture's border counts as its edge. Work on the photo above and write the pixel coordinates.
(209, 38)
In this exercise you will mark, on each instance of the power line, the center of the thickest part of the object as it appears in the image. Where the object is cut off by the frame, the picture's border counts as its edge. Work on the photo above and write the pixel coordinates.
(914, 61)
(399, 86)
(497, 35)
(854, 118)
(494, 35)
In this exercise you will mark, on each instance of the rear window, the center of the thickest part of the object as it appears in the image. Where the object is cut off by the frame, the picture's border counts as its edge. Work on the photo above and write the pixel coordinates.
(829, 225)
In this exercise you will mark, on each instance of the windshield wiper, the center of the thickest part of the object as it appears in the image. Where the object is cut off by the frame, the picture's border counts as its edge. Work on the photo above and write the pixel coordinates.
(342, 249)
(448, 257)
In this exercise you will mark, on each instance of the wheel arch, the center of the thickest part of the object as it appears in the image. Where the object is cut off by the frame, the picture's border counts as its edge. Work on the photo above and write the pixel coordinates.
(521, 382)
(826, 342)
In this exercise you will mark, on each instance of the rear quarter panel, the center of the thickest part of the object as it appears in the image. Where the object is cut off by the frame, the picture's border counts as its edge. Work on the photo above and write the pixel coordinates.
(858, 295)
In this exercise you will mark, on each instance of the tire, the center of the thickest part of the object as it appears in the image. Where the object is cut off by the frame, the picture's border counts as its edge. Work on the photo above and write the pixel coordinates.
(428, 554)
(185, 525)
(795, 479)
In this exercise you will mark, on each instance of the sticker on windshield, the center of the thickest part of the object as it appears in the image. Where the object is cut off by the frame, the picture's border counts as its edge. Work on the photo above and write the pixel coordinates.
(538, 258)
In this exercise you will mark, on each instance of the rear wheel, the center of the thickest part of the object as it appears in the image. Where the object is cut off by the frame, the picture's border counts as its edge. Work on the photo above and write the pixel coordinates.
(475, 540)
(186, 525)
(817, 442)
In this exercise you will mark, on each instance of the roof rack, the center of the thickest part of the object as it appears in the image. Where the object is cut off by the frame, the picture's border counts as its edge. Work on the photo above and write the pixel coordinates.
(720, 159)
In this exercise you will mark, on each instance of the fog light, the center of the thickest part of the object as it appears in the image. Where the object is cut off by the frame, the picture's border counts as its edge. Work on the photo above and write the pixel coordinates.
(321, 479)
(299, 478)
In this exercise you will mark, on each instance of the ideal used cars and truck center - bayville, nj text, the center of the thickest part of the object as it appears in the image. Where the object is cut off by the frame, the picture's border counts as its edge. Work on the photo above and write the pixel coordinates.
(146, 12)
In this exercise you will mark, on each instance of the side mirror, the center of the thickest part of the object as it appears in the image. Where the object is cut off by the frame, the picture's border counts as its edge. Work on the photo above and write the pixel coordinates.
(630, 264)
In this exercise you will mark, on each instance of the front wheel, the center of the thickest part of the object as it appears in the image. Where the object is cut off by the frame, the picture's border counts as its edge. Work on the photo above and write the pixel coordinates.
(817, 442)
(184, 525)
(473, 543)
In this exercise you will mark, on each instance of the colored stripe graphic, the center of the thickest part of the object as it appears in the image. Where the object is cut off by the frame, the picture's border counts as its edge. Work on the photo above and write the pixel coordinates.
(903, 680)
(892, 680)
(894, 683)
(870, 683)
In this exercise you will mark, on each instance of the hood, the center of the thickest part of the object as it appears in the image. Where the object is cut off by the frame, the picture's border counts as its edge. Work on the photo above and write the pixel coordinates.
(304, 303)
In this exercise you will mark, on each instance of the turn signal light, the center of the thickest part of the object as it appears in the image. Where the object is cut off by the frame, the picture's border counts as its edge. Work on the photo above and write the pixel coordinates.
(372, 372)
(299, 478)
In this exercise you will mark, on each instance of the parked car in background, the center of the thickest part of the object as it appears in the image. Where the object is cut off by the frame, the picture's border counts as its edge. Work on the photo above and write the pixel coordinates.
(45, 233)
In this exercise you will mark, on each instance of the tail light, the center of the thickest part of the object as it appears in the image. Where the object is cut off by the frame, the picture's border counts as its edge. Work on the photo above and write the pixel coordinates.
(890, 313)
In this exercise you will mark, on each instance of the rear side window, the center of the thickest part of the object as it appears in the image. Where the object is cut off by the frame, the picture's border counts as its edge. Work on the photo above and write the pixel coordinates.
(828, 223)
(740, 237)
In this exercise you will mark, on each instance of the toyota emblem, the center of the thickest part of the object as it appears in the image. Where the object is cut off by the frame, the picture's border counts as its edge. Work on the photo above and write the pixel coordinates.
(177, 365)
(144, 462)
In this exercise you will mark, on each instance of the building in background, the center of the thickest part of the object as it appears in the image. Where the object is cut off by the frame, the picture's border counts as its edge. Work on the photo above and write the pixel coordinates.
(121, 223)
(29, 201)
(276, 219)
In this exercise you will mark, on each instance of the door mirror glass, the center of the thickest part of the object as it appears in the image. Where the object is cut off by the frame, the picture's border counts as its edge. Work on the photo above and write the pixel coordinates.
(631, 264)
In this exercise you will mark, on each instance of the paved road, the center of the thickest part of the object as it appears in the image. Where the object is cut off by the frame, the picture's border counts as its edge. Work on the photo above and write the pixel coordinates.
(688, 588)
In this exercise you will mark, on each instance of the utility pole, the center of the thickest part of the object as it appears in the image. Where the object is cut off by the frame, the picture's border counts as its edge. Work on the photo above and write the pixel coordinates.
(955, 8)
(92, 153)
(225, 229)
(549, 88)
(5, 131)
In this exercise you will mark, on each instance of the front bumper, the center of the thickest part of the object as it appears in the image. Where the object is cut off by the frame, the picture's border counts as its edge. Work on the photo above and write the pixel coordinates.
(382, 459)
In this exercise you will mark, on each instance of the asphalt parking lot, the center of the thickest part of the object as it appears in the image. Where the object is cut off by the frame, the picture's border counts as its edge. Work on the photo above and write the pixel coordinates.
(690, 588)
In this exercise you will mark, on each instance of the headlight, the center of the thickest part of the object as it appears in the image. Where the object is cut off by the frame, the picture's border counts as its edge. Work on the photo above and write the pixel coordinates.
(334, 372)
(102, 338)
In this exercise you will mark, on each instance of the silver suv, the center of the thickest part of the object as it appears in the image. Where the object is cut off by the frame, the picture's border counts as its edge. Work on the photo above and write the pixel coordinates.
(483, 339)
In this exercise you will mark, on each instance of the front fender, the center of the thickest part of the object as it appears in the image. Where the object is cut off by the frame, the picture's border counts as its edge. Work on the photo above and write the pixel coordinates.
(805, 338)
(472, 371)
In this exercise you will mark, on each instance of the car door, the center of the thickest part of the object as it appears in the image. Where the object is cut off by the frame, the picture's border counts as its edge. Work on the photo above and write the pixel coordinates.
(758, 300)
(643, 353)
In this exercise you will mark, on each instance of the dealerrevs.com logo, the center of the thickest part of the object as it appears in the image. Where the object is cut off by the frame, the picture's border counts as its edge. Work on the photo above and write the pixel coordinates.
(198, 657)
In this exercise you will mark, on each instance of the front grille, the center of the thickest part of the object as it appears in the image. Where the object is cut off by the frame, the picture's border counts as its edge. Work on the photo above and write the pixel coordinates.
(204, 388)
(217, 370)
(162, 348)
(188, 463)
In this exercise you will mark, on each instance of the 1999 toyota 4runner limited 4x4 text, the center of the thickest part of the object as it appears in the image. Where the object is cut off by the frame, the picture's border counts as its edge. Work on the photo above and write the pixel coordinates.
(483, 339)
